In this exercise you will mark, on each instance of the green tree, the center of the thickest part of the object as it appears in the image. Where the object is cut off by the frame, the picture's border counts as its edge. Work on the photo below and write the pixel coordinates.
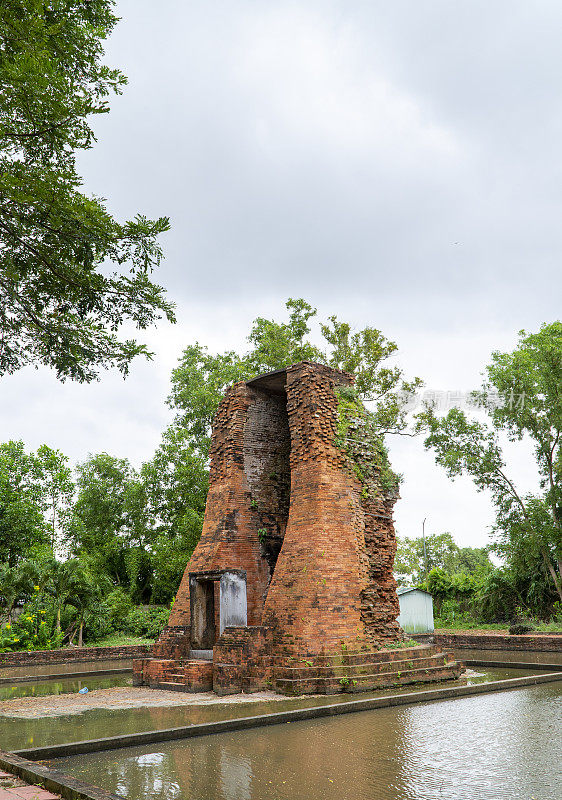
(110, 529)
(412, 566)
(279, 344)
(57, 492)
(473, 561)
(22, 526)
(522, 399)
(62, 580)
(175, 482)
(61, 304)
(198, 384)
(200, 379)
(85, 591)
(12, 589)
(366, 354)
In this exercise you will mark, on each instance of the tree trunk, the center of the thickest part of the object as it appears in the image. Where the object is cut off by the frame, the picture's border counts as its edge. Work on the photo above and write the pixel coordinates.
(80, 633)
(554, 576)
(58, 619)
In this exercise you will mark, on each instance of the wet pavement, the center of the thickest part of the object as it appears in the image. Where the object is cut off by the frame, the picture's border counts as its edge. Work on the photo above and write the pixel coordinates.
(12, 788)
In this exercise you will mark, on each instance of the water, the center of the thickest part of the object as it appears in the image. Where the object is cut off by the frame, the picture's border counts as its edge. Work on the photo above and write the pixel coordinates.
(39, 670)
(522, 656)
(21, 732)
(502, 746)
(61, 685)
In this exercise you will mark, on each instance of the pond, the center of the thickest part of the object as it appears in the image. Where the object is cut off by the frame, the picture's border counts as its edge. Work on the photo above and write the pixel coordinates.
(41, 670)
(499, 746)
(38, 728)
(10, 691)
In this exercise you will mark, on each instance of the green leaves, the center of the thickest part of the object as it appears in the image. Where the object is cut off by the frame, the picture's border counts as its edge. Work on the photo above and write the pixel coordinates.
(198, 384)
(60, 305)
(277, 344)
(364, 353)
(22, 525)
(522, 398)
(51, 77)
(442, 555)
(201, 378)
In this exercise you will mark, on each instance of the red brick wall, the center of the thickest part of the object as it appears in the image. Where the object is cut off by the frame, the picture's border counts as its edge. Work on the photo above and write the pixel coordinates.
(230, 538)
(332, 581)
(72, 654)
(498, 641)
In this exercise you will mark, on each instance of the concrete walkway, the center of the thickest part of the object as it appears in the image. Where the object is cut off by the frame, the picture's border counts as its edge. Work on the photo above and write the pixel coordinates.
(12, 788)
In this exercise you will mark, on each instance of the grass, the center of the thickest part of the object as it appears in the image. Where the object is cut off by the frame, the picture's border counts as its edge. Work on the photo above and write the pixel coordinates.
(469, 625)
(400, 645)
(549, 627)
(474, 625)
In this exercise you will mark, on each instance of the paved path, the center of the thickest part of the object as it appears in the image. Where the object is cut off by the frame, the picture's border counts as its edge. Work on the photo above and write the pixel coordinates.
(12, 788)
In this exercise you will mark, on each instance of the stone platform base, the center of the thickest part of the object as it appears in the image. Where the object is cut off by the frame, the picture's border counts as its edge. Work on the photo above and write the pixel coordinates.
(348, 671)
(366, 671)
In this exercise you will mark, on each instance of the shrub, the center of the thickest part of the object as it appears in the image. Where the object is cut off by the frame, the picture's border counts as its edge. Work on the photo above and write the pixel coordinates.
(146, 622)
(31, 631)
(118, 605)
(519, 628)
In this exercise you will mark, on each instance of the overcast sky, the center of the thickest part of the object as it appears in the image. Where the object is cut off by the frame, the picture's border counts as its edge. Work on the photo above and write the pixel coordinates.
(395, 163)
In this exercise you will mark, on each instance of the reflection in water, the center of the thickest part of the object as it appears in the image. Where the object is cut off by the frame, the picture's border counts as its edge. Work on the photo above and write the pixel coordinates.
(235, 776)
(62, 686)
(65, 667)
(502, 746)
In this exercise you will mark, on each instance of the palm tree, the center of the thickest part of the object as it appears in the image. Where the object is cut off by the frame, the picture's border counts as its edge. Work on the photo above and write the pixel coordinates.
(84, 592)
(61, 583)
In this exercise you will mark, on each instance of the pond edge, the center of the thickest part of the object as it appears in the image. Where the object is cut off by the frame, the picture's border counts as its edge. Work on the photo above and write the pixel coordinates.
(293, 715)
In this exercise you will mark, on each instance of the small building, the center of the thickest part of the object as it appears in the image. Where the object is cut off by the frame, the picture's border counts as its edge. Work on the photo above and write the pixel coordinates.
(416, 610)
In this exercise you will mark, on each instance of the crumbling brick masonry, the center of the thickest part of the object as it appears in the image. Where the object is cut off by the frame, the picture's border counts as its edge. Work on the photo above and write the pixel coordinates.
(291, 585)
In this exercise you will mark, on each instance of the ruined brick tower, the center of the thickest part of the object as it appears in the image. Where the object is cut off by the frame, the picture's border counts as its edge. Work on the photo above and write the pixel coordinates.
(294, 565)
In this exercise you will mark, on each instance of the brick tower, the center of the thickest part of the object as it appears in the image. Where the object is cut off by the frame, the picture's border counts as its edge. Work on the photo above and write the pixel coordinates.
(290, 586)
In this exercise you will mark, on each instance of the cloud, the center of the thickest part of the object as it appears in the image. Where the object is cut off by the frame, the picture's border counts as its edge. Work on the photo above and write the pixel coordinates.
(397, 164)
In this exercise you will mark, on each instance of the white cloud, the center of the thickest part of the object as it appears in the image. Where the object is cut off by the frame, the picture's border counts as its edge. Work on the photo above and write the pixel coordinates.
(397, 164)
(312, 86)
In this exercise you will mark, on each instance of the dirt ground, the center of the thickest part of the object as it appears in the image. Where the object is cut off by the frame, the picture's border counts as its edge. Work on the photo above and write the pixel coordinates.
(119, 697)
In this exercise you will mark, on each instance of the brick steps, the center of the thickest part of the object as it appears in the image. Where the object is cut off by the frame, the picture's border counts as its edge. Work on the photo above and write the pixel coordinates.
(172, 642)
(185, 675)
(364, 656)
(385, 654)
(171, 686)
(365, 682)
(370, 667)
